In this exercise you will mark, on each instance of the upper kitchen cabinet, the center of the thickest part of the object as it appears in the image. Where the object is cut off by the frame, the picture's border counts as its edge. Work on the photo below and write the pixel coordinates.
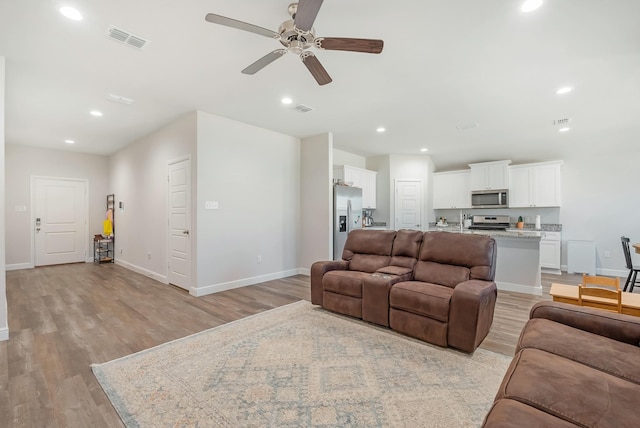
(490, 175)
(452, 190)
(362, 178)
(535, 185)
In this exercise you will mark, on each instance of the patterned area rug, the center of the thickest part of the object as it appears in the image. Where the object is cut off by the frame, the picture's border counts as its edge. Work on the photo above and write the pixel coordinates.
(300, 365)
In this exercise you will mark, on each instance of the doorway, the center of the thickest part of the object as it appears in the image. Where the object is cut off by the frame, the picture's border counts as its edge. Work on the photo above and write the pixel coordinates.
(180, 223)
(408, 204)
(60, 226)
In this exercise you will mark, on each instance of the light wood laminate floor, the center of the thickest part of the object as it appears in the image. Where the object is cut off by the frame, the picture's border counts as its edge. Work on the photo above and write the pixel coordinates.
(64, 318)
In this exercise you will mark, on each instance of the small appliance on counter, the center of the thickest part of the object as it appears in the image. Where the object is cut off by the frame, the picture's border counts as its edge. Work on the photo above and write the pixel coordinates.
(367, 219)
(489, 222)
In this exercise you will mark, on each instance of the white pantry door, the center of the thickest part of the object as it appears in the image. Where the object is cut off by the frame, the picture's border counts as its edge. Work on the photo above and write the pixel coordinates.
(180, 223)
(60, 221)
(408, 204)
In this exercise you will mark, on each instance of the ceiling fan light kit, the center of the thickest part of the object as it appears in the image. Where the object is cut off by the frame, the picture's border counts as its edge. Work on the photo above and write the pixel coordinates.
(297, 35)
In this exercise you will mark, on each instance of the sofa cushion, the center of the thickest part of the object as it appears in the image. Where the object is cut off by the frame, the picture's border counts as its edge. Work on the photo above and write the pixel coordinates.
(507, 413)
(421, 298)
(570, 390)
(475, 252)
(368, 262)
(346, 282)
(368, 242)
(406, 247)
(616, 358)
(442, 274)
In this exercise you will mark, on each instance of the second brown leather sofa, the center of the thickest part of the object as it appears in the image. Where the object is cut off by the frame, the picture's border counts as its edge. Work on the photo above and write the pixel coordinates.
(435, 286)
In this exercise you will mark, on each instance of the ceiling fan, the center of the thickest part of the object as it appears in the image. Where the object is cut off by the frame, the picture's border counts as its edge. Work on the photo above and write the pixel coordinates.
(297, 35)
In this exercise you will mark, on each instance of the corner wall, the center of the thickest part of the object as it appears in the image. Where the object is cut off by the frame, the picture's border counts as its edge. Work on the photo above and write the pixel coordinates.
(316, 172)
(138, 178)
(4, 325)
(254, 175)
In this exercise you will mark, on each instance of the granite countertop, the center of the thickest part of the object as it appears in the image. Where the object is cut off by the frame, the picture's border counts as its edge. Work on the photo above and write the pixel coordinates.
(509, 233)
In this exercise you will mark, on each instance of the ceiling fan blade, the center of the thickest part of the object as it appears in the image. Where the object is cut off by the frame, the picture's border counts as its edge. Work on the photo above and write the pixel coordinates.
(229, 22)
(264, 61)
(316, 69)
(351, 45)
(306, 14)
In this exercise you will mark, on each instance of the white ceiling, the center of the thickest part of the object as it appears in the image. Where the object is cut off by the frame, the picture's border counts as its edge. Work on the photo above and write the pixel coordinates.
(444, 64)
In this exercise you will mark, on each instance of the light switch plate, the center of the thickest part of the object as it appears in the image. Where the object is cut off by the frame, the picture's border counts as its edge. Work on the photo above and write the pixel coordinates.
(21, 208)
(211, 205)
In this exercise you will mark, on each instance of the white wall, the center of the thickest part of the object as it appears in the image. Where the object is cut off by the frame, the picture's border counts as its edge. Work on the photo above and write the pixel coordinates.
(601, 202)
(22, 163)
(138, 178)
(4, 326)
(254, 175)
(341, 157)
(316, 169)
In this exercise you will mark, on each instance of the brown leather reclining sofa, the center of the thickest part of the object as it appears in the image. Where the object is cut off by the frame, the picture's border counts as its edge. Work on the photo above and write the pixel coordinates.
(435, 286)
(573, 366)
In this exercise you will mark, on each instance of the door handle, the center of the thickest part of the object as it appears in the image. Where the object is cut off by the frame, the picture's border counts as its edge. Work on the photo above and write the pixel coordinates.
(37, 229)
(185, 232)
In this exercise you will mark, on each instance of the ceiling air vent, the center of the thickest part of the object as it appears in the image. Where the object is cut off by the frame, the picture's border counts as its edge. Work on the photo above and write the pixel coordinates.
(302, 108)
(126, 37)
(565, 121)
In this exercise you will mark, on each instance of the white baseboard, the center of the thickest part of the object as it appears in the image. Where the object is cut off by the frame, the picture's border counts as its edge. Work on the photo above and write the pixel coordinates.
(210, 289)
(4, 334)
(19, 266)
(146, 272)
(551, 271)
(613, 272)
(304, 271)
(519, 288)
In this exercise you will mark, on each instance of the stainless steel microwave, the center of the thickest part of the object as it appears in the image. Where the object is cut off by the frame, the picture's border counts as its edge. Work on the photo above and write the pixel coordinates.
(490, 198)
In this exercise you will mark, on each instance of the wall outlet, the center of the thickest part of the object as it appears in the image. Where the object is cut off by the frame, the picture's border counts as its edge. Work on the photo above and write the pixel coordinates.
(211, 205)
(259, 259)
(607, 254)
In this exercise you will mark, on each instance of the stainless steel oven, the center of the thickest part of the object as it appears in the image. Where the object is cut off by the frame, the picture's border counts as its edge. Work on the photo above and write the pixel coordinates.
(490, 198)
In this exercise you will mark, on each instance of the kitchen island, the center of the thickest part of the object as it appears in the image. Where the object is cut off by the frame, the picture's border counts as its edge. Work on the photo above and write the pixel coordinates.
(518, 258)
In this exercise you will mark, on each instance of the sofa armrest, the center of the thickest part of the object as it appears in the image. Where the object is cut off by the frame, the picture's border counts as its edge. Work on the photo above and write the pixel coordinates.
(620, 327)
(471, 313)
(318, 269)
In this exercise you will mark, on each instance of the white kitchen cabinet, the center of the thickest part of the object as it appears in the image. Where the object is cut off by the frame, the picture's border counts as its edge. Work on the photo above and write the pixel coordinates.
(535, 185)
(362, 178)
(452, 189)
(550, 250)
(490, 175)
(369, 189)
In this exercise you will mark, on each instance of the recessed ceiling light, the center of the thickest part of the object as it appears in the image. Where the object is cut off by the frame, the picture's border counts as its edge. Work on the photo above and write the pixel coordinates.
(96, 113)
(564, 129)
(381, 129)
(424, 150)
(564, 90)
(69, 141)
(531, 5)
(286, 100)
(71, 13)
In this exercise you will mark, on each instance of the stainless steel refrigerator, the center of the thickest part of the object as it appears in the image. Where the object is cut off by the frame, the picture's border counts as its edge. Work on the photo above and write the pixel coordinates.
(347, 215)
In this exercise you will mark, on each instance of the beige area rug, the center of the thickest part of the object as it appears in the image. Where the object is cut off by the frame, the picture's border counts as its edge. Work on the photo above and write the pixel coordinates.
(299, 366)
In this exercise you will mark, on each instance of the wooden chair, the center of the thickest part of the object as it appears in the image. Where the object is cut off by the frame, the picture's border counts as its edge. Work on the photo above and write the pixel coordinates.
(600, 287)
(633, 270)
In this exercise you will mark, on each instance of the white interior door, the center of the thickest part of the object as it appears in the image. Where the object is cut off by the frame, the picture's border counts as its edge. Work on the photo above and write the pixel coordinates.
(60, 221)
(408, 204)
(180, 223)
